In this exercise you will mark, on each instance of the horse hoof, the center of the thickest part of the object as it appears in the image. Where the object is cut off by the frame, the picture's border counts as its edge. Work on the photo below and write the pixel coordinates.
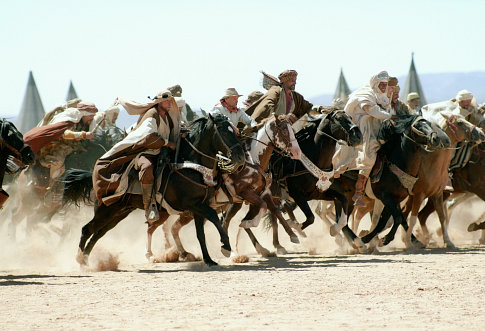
(149, 255)
(294, 239)
(262, 251)
(226, 252)
(359, 244)
(281, 250)
(246, 224)
(210, 263)
(472, 227)
(333, 230)
(82, 258)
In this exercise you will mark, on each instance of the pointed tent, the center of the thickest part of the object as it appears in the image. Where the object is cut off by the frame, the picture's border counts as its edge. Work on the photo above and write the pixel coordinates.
(342, 91)
(32, 110)
(71, 92)
(412, 84)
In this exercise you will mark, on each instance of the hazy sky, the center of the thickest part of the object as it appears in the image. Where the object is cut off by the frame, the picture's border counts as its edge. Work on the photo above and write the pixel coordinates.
(136, 48)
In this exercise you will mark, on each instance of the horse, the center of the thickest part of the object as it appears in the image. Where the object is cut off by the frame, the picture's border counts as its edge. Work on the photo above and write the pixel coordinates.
(318, 142)
(33, 183)
(13, 150)
(251, 184)
(408, 141)
(433, 175)
(467, 181)
(182, 189)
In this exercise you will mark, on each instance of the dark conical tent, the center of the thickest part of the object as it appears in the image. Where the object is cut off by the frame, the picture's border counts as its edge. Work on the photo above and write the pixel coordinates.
(413, 84)
(71, 93)
(342, 91)
(32, 110)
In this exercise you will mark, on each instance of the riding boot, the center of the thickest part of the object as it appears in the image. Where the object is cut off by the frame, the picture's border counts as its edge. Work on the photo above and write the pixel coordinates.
(359, 191)
(151, 210)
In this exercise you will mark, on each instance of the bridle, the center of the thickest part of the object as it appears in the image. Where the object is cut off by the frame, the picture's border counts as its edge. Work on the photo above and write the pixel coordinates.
(454, 128)
(338, 141)
(224, 162)
(421, 134)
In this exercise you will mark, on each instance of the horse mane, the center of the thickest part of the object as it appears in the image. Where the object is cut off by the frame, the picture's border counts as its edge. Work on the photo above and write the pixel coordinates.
(389, 130)
(197, 126)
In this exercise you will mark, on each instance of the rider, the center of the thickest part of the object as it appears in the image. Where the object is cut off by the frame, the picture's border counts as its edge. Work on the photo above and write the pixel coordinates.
(413, 103)
(51, 143)
(397, 106)
(281, 99)
(105, 119)
(157, 127)
(368, 107)
(227, 106)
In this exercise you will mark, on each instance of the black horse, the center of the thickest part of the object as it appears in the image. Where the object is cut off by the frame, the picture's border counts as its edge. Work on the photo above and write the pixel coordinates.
(318, 142)
(183, 189)
(407, 141)
(13, 150)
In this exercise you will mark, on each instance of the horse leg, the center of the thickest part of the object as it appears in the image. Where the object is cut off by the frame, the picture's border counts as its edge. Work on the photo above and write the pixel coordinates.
(150, 229)
(442, 214)
(276, 212)
(183, 220)
(259, 248)
(230, 213)
(386, 213)
(211, 215)
(280, 250)
(260, 206)
(305, 208)
(108, 224)
(199, 227)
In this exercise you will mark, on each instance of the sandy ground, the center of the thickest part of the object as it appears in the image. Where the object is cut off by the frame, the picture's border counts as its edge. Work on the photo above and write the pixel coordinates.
(42, 287)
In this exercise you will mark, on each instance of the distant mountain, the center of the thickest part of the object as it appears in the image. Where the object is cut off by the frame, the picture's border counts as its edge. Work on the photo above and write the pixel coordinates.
(437, 87)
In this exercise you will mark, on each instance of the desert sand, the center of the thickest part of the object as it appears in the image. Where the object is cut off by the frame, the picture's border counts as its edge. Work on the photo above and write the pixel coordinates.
(42, 286)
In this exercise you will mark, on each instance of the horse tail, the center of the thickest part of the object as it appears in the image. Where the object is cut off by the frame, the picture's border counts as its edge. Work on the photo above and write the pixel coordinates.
(78, 185)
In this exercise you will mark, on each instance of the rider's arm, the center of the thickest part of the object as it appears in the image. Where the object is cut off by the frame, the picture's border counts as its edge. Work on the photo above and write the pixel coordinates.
(376, 111)
(247, 120)
(74, 135)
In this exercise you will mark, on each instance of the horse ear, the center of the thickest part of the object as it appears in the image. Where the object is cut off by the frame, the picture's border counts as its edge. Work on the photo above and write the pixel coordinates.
(210, 116)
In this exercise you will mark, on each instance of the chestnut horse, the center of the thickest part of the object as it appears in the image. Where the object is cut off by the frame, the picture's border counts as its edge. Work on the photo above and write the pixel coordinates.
(433, 175)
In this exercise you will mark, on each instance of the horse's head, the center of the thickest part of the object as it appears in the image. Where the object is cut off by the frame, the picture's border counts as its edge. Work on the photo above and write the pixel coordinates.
(225, 143)
(460, 129)
(12, 143)
(280, 133)
(422, 132)
(338, 125)
(108, 136)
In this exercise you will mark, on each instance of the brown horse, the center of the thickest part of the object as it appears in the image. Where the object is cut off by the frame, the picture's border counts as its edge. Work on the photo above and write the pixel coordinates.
(469, 179)
(251, 184)
(433, 176)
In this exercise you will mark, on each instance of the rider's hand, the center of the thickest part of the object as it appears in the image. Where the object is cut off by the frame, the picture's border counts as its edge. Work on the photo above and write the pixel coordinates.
(89, 135)
(171, 145)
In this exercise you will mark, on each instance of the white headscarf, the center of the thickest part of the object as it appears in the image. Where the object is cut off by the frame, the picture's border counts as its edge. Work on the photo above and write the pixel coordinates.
(70, 115)
(464, 95)
(374, 82)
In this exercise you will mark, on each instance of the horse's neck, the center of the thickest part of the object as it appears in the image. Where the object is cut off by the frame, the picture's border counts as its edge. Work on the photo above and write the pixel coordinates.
(453, 139)
(203, 146)
(408, 156)
(261, 150)
(322, 152)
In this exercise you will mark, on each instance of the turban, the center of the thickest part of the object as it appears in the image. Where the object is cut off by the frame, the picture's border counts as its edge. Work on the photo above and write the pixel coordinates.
(412, 96)
(383, 76)
(254, 96)
(392, 81)
(287, 75)
(464, 95)
(176, 90)
(85, 106)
